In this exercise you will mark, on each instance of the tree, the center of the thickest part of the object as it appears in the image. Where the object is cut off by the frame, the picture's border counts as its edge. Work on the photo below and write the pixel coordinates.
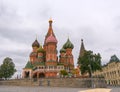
(0, 73)
(75, 72)
(63, 72)
(89, 63)
(7, 69)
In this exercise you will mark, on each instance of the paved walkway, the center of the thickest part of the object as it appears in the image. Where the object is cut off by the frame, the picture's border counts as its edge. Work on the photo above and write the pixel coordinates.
(45, 89)
(37, 89)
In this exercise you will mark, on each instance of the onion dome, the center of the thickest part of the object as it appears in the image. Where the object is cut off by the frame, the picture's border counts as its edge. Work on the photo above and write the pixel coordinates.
(35, 43)
(40, 49)
(33, 54)
(50, 39)
(68, 44)
(62, 50)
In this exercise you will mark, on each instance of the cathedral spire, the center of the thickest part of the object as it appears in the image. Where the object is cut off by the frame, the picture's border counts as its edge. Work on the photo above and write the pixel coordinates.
(82, 49)
(50, 31)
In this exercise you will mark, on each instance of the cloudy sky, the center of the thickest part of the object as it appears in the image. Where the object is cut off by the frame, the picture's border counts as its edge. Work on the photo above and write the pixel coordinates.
(95, 21)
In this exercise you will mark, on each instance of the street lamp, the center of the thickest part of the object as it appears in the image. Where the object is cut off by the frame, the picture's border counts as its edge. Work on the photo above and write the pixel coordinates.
(90, 67)
(91, 76)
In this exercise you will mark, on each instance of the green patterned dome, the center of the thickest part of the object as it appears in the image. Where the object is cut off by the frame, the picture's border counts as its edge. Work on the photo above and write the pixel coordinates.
(40, 49)
(68, 44)
(62, 50)
(29, 65)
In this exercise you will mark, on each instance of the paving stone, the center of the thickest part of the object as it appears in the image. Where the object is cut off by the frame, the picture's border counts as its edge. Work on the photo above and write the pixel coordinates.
(49, 89)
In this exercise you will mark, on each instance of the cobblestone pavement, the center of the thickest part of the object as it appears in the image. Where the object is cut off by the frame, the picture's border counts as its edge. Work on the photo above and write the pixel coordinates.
(45, 89)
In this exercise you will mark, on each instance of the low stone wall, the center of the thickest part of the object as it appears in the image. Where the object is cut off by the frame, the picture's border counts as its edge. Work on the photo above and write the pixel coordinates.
(19, 82)
(59, 82)
(74, 82)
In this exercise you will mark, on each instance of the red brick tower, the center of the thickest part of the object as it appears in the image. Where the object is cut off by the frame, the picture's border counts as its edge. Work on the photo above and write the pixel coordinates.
(50, 46)
(66, 56)
(33, 54)
(50, 31)
(40, 53)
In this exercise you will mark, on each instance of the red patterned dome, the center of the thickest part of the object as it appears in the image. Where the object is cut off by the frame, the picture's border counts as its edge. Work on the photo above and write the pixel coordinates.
(51, 38)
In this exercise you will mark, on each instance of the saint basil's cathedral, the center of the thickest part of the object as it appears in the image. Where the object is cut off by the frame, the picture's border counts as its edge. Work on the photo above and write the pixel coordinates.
(44, 62)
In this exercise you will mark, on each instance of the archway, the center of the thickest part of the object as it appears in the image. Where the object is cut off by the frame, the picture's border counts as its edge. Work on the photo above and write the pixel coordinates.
(41, 75)
(27, 74)
(35, 75)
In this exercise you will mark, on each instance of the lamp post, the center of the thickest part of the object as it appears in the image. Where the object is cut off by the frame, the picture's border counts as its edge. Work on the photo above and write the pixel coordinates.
(90, 67)
(91, 76)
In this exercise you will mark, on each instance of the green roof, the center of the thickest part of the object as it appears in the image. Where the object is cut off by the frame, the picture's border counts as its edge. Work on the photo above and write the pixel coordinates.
(60, 64)
(29, 65)
(62, 50)
(114, 58)
(38, 63)
(40, 49)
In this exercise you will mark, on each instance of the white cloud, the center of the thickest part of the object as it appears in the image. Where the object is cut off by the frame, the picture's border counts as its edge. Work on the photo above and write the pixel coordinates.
(96, 21)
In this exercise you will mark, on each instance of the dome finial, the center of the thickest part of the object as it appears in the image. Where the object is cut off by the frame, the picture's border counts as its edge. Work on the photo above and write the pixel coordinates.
(82, 40)
(36, 36)
(68, 35)
(50, 22)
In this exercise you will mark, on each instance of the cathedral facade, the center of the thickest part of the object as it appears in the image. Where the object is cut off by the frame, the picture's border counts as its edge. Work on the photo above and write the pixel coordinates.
(43, 60)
